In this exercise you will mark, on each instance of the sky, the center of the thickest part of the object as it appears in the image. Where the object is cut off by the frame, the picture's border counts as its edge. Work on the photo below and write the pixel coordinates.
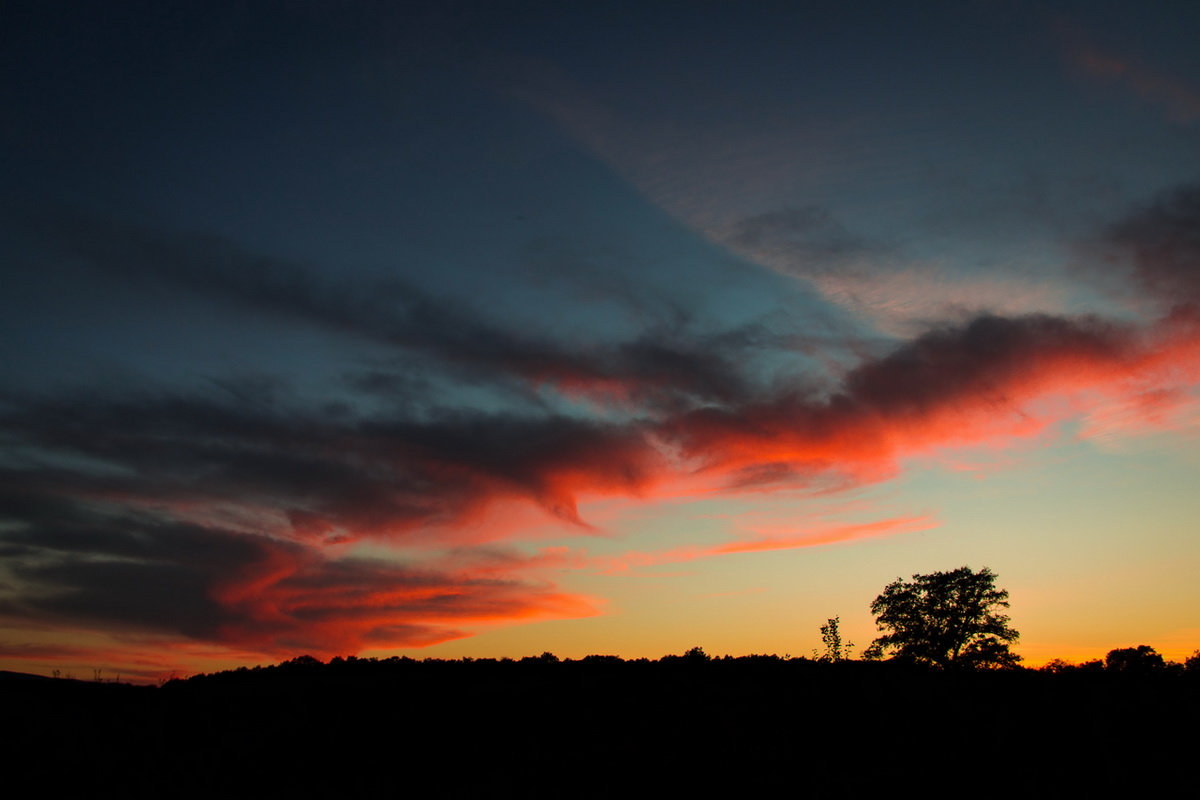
(486, 329)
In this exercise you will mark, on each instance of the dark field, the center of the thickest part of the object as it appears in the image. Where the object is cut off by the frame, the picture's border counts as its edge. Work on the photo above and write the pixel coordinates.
(600, 727)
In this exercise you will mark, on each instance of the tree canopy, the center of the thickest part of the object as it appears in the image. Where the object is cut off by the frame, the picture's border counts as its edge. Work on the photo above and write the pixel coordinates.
(1140, 660)
(945, 619)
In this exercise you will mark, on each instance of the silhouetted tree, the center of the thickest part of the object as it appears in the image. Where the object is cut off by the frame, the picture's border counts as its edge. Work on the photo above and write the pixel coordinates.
(831, 638)
(1139, 660)
(945, 619)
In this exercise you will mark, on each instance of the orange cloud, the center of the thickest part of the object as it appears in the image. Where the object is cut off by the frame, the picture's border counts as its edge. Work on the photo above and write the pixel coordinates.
(779, 538)
(845, 533)
(338, 607)
(989, 381)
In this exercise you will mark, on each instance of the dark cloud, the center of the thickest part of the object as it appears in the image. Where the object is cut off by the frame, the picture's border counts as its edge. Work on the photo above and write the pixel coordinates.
(984, 357)
(668, 359)
(956, 384)
(1162, 239)
(326, 475)
(103, 567)
(109, 567)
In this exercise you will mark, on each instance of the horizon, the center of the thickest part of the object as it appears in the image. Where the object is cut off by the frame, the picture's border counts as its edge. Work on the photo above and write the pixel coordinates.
(503, 328)
(1140, 661)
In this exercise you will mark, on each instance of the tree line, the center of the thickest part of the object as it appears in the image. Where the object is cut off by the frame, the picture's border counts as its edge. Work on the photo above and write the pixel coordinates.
(956, 620)
(937, 700)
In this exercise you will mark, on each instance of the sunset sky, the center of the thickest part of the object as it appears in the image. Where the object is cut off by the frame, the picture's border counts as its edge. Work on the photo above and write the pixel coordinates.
(485, 329)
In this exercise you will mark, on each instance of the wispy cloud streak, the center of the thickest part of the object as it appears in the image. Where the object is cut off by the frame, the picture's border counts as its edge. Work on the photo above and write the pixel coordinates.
(786, 539)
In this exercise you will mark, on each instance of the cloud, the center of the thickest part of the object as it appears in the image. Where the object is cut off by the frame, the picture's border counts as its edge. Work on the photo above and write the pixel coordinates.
(227, 524)
(337, 477)
(1161, 240)
(668, 360)
(229, 518)
(313, 476)
(788, 539)
(326, 476)
(778, 538)
(875, 279)
(109, 568)
(986, 381)
(745, 187)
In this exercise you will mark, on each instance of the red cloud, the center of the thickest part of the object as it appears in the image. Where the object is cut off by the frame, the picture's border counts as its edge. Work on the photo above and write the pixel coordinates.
(989, 381)
(329, 608)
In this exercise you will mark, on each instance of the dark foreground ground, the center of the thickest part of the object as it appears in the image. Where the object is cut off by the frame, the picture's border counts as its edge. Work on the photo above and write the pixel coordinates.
(750, 727)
